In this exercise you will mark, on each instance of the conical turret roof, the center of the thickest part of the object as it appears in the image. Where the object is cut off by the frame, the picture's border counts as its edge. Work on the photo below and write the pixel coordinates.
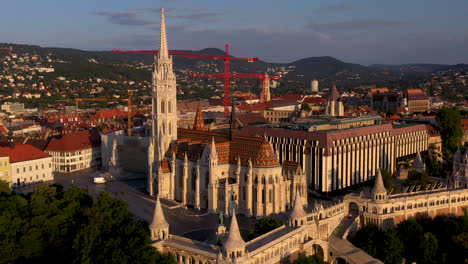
(234, 240)
(199, 123)
(298, 208)
(379, 186)
(334, 95)
(418, 165)
(159, 220)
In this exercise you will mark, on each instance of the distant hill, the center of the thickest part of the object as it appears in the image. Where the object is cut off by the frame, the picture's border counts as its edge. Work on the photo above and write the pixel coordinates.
(325, 66)
(415, 68)
(457, 67)
(296, 74)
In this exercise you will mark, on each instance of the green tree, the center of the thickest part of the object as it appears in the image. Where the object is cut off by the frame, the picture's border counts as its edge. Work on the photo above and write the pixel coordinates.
(387, 179)
(429, 245)
(4, 188)
(410, 232)
(449, 120)
(57, 226)
(265, 225)
(390, 249)
(417, 178)
(305, 107)
(314, 259)
(366, 239)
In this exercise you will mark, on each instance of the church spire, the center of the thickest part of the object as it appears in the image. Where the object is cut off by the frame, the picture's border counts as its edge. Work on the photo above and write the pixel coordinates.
(163, 51)
(334, 95)
(199, 123)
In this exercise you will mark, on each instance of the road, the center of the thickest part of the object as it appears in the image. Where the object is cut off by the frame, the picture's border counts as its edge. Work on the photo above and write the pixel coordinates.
(181, 220)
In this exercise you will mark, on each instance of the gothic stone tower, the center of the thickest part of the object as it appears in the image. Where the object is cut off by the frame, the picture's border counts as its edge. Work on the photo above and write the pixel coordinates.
(164, 110)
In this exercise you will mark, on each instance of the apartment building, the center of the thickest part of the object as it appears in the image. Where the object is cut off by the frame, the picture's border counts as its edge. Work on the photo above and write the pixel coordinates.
(75, 151)
(27, 164)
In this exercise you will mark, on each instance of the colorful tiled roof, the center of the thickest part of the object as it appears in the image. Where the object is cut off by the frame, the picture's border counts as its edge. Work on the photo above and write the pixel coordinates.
(22, 152)
(75, 141)
(256, 149)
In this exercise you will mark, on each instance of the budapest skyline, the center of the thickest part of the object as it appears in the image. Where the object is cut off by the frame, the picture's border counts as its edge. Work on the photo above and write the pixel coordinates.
(363, 31)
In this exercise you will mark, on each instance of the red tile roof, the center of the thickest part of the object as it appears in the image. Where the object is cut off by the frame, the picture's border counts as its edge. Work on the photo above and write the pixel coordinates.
(22, 152)
(315, 100)
(251, 119)
(108, 114)
(254, 107)
(75, 141)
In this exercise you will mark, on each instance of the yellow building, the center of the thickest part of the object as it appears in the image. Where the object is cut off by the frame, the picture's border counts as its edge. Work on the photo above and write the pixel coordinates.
(5, 174)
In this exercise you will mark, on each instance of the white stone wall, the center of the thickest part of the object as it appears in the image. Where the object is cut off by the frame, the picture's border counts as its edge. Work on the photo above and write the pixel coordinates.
(75, 160)
(31, 171)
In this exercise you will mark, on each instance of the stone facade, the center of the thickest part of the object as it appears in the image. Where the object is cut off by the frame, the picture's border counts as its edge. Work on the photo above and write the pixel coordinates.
(388, 210)
(333, 160)
(209, 170)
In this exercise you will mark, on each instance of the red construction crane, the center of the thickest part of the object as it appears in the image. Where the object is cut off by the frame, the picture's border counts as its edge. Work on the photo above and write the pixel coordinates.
(226, 57)
(265, 79)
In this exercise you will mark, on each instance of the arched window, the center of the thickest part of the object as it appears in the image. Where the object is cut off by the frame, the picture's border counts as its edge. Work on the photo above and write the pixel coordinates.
(169, 106)
(163, 106)
(164, 128)
(170, 128)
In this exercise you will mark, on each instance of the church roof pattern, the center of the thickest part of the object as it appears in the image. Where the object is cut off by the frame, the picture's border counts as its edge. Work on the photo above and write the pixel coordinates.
(257, 149)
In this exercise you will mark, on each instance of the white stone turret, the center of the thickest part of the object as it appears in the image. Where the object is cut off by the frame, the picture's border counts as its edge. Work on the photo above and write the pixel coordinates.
(159, 227)
(379, 193)
(234, 246)
(297, 217)
(418, 165)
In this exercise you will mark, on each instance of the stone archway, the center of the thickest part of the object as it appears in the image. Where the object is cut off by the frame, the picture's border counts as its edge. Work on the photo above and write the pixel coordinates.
(353, 209)
(339, 261)
(318, 250)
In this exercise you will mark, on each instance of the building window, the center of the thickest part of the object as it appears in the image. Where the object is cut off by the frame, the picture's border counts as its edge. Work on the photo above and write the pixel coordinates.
(163, 106)
(17, 170)
(30, 168)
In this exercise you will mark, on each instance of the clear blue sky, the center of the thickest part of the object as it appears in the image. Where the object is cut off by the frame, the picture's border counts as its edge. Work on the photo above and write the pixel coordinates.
(360, 31)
